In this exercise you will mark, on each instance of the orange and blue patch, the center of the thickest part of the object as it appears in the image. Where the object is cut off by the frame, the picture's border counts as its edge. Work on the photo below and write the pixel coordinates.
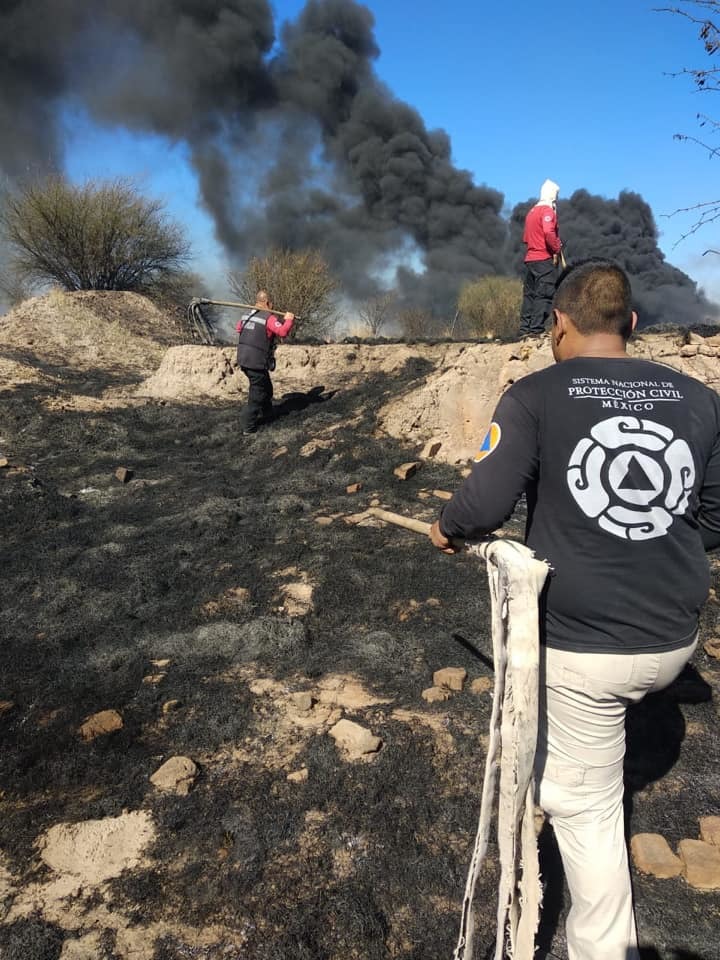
(490, 443)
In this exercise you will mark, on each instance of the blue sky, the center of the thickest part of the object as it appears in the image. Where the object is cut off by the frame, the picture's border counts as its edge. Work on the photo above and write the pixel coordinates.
(581, 93)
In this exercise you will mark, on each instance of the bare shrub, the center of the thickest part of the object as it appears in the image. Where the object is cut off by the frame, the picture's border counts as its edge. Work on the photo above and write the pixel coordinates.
(298, 281)
(417, 324)
(490, 306)
(376, 312)
(102, 235)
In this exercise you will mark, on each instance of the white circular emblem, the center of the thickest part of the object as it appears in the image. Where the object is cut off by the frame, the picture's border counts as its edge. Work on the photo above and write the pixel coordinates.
(632, 476)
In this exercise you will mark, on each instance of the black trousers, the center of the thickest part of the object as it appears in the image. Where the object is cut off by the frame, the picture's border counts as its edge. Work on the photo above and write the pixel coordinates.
(260, 393)
(538, 290)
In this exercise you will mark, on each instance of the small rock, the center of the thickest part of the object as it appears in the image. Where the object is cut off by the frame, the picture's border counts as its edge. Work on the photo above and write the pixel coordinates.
(297, 598)
(298, 776)
(302, 701)
(423, 495)
(712, 647)
(160, 664)
(710, 830)
(124, 475)
(689, 350)
(702, 864)
(152, 679)
(176, 775)
(4, 462)
(99, 724)
(357, 741)
(280, 452)
(169, 706)
(324, 521)
(407, 470)
(436, 694)
(481, 685)
(431, 448)
(375, 502)
(6, 706)
(651, 854)
(312, 447)
(442, 494)
(451, 677)
(353, 488)
(465, 472)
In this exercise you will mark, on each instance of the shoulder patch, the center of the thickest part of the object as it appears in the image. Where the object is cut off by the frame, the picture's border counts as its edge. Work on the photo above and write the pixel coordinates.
(490, 443)
(547, 219)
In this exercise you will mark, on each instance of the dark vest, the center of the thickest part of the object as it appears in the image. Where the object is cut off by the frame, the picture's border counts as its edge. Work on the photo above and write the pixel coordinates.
(255, 348)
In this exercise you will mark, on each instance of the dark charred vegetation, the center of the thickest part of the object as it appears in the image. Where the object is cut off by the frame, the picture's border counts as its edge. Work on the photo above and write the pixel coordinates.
(364, 860)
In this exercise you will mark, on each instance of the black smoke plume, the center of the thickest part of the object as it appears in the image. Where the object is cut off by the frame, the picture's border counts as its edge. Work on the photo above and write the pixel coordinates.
(295, 142)
(623, 230)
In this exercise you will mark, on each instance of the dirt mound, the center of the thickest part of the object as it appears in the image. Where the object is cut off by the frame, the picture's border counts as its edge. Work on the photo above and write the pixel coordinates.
(97, 850)
(452, 397)
(94, 335)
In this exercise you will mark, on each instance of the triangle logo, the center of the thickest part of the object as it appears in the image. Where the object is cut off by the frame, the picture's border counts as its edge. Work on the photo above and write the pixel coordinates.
(636, 478)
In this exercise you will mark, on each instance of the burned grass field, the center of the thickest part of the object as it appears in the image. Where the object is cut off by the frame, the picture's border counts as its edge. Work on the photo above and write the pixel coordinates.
(225, 605)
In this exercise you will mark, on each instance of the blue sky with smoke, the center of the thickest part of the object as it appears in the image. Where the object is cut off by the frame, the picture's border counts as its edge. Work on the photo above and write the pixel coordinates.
(582, 93)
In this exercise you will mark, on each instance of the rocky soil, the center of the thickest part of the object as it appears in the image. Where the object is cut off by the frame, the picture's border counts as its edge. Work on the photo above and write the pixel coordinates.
(214, 736)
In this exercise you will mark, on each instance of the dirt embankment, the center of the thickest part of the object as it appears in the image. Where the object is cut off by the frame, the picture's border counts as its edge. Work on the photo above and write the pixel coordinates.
(452, 400)
(94, 337)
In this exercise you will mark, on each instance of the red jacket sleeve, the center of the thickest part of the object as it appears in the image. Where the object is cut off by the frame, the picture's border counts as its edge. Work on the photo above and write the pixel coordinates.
(550, 230)
(278, 328)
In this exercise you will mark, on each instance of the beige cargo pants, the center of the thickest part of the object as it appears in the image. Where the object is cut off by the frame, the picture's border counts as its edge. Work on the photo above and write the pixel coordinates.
(579, 771)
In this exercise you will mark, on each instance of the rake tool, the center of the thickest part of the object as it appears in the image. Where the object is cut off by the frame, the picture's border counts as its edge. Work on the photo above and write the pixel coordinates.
(203, 330)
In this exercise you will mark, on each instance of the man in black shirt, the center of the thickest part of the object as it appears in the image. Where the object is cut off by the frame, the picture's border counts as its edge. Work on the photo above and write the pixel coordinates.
(620, 462)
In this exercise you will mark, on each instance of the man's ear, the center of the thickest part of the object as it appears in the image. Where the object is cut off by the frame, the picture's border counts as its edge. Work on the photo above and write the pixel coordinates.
(559, 324)
(633, 320)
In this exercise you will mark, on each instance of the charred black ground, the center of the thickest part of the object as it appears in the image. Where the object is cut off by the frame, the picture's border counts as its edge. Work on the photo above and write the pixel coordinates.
(99, 578)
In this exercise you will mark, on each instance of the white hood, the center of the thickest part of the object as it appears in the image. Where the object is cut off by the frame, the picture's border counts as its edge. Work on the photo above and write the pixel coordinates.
(548, 194)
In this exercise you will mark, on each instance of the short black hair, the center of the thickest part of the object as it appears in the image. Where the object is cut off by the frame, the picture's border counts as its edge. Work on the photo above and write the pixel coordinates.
(596, 295)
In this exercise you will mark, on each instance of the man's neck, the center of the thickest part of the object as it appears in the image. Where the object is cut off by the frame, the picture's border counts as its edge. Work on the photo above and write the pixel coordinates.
(601, 345)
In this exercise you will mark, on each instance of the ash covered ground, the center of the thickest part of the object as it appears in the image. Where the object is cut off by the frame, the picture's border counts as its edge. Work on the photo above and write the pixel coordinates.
(212, 558)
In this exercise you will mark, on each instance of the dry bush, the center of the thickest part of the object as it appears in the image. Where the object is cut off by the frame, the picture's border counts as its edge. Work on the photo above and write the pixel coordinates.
(490, 307)
(417, 323)
(102, 235)
(376, 312)
(298, 281)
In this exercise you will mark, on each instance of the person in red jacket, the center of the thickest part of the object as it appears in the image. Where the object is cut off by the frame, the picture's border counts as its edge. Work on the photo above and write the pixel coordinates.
(543, 248)
(258, 332)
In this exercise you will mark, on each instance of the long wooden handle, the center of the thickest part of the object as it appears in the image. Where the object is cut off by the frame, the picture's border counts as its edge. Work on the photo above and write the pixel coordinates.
(243, 306)
(409, 523)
